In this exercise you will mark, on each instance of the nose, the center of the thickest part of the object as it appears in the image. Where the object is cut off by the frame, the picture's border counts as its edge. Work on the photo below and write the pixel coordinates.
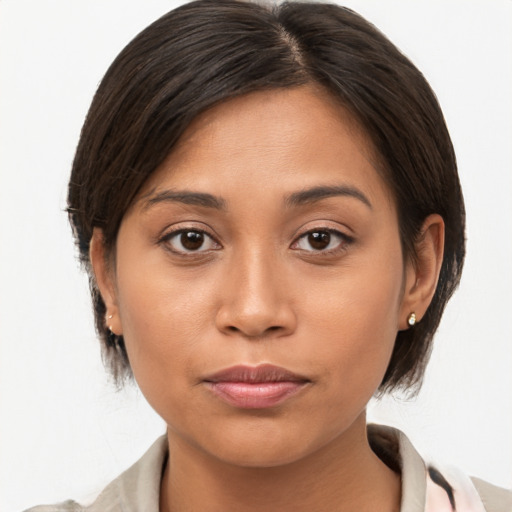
(256, 302)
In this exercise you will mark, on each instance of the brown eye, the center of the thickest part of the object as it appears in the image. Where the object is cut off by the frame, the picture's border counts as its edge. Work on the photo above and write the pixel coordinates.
(190, 240)
(319, 240)
(322, 241)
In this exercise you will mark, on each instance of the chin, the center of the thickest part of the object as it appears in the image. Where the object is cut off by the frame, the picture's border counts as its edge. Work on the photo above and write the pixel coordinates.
(258, 456)
(260, 447)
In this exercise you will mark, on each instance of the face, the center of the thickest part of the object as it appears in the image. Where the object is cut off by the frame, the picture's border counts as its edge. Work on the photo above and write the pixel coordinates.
(259, 279)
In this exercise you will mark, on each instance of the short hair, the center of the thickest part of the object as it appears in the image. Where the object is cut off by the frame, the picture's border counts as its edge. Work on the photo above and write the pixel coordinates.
(209, 51)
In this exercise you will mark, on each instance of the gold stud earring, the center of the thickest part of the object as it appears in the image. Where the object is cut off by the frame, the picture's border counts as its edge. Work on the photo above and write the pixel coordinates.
(411, 319)
(109, 325)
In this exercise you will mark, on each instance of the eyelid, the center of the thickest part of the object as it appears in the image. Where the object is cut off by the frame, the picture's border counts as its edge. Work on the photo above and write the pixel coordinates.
(326, 224)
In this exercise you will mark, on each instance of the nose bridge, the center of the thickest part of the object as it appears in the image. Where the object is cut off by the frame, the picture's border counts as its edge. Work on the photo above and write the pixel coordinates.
(256, 302)
(256, 267)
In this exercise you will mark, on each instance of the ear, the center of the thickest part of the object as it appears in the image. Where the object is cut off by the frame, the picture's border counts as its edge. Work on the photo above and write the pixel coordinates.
(422, 273)
(105, 281)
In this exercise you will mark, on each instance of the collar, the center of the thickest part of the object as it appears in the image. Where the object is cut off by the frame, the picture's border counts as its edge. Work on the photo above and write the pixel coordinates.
(394, 448)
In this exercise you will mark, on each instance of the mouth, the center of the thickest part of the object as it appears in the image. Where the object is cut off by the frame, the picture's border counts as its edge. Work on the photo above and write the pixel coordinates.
(255, 387)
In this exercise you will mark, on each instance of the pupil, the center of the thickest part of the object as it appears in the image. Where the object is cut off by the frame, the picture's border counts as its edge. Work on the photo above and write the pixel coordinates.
(319, 240)
(192, 240)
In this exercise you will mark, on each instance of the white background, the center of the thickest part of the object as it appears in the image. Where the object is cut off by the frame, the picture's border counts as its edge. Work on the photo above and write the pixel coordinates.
(64, 430)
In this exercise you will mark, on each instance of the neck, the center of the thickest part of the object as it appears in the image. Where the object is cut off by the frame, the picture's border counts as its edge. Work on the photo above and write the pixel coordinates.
(345, 475)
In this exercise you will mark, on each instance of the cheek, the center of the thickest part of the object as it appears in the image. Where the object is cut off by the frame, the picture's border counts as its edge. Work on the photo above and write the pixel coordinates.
(354, 318)
(163, 317)
(163, 327)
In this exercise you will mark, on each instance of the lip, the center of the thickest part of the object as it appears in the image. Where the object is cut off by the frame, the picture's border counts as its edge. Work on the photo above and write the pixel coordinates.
(255, 387)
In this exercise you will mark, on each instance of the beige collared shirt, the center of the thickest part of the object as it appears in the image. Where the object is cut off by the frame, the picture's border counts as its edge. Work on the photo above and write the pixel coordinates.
(424, 488)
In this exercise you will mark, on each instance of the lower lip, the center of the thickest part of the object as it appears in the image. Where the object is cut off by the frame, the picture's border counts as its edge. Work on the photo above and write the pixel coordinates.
(259, 395)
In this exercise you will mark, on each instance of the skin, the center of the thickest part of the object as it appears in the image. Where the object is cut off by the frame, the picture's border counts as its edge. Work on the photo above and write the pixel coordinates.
(257, 291)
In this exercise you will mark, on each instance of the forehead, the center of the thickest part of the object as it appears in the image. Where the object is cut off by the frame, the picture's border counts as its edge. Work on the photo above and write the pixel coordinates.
(273, 140)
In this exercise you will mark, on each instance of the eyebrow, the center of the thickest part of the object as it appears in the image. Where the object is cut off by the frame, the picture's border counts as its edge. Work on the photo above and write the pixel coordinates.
(184, 197)
(314, 194)
(302, 197)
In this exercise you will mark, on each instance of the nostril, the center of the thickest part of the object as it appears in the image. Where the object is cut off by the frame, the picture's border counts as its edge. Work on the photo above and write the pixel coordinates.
(268, 330)
(253, 322)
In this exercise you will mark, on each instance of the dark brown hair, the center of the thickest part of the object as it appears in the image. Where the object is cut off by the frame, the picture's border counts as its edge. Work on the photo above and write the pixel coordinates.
(207, 51)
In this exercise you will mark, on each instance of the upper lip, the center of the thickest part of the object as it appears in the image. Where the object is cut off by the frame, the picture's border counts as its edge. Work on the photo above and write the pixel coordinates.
(255, 374)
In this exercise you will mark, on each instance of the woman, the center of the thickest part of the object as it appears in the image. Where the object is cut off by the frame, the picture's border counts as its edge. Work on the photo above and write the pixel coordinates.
(268, 207)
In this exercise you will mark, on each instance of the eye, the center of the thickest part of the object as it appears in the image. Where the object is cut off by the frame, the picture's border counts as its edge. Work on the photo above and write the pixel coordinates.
(190, 240)
(321, 240)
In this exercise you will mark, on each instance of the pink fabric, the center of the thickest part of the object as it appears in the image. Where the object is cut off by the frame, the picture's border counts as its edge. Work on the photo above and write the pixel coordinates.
(466, 496)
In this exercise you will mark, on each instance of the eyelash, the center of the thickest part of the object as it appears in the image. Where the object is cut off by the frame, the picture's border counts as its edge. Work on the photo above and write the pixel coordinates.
(345, 240)
(167, 239)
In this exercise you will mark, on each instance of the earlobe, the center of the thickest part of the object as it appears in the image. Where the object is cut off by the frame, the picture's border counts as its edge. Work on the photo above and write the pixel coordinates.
(422, 273)
(105, 281)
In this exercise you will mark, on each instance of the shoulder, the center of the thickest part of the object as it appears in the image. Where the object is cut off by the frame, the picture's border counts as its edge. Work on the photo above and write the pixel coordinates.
(466, 494)
(432, 487)
(495, 499)
(137, 488)
(65, 506)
